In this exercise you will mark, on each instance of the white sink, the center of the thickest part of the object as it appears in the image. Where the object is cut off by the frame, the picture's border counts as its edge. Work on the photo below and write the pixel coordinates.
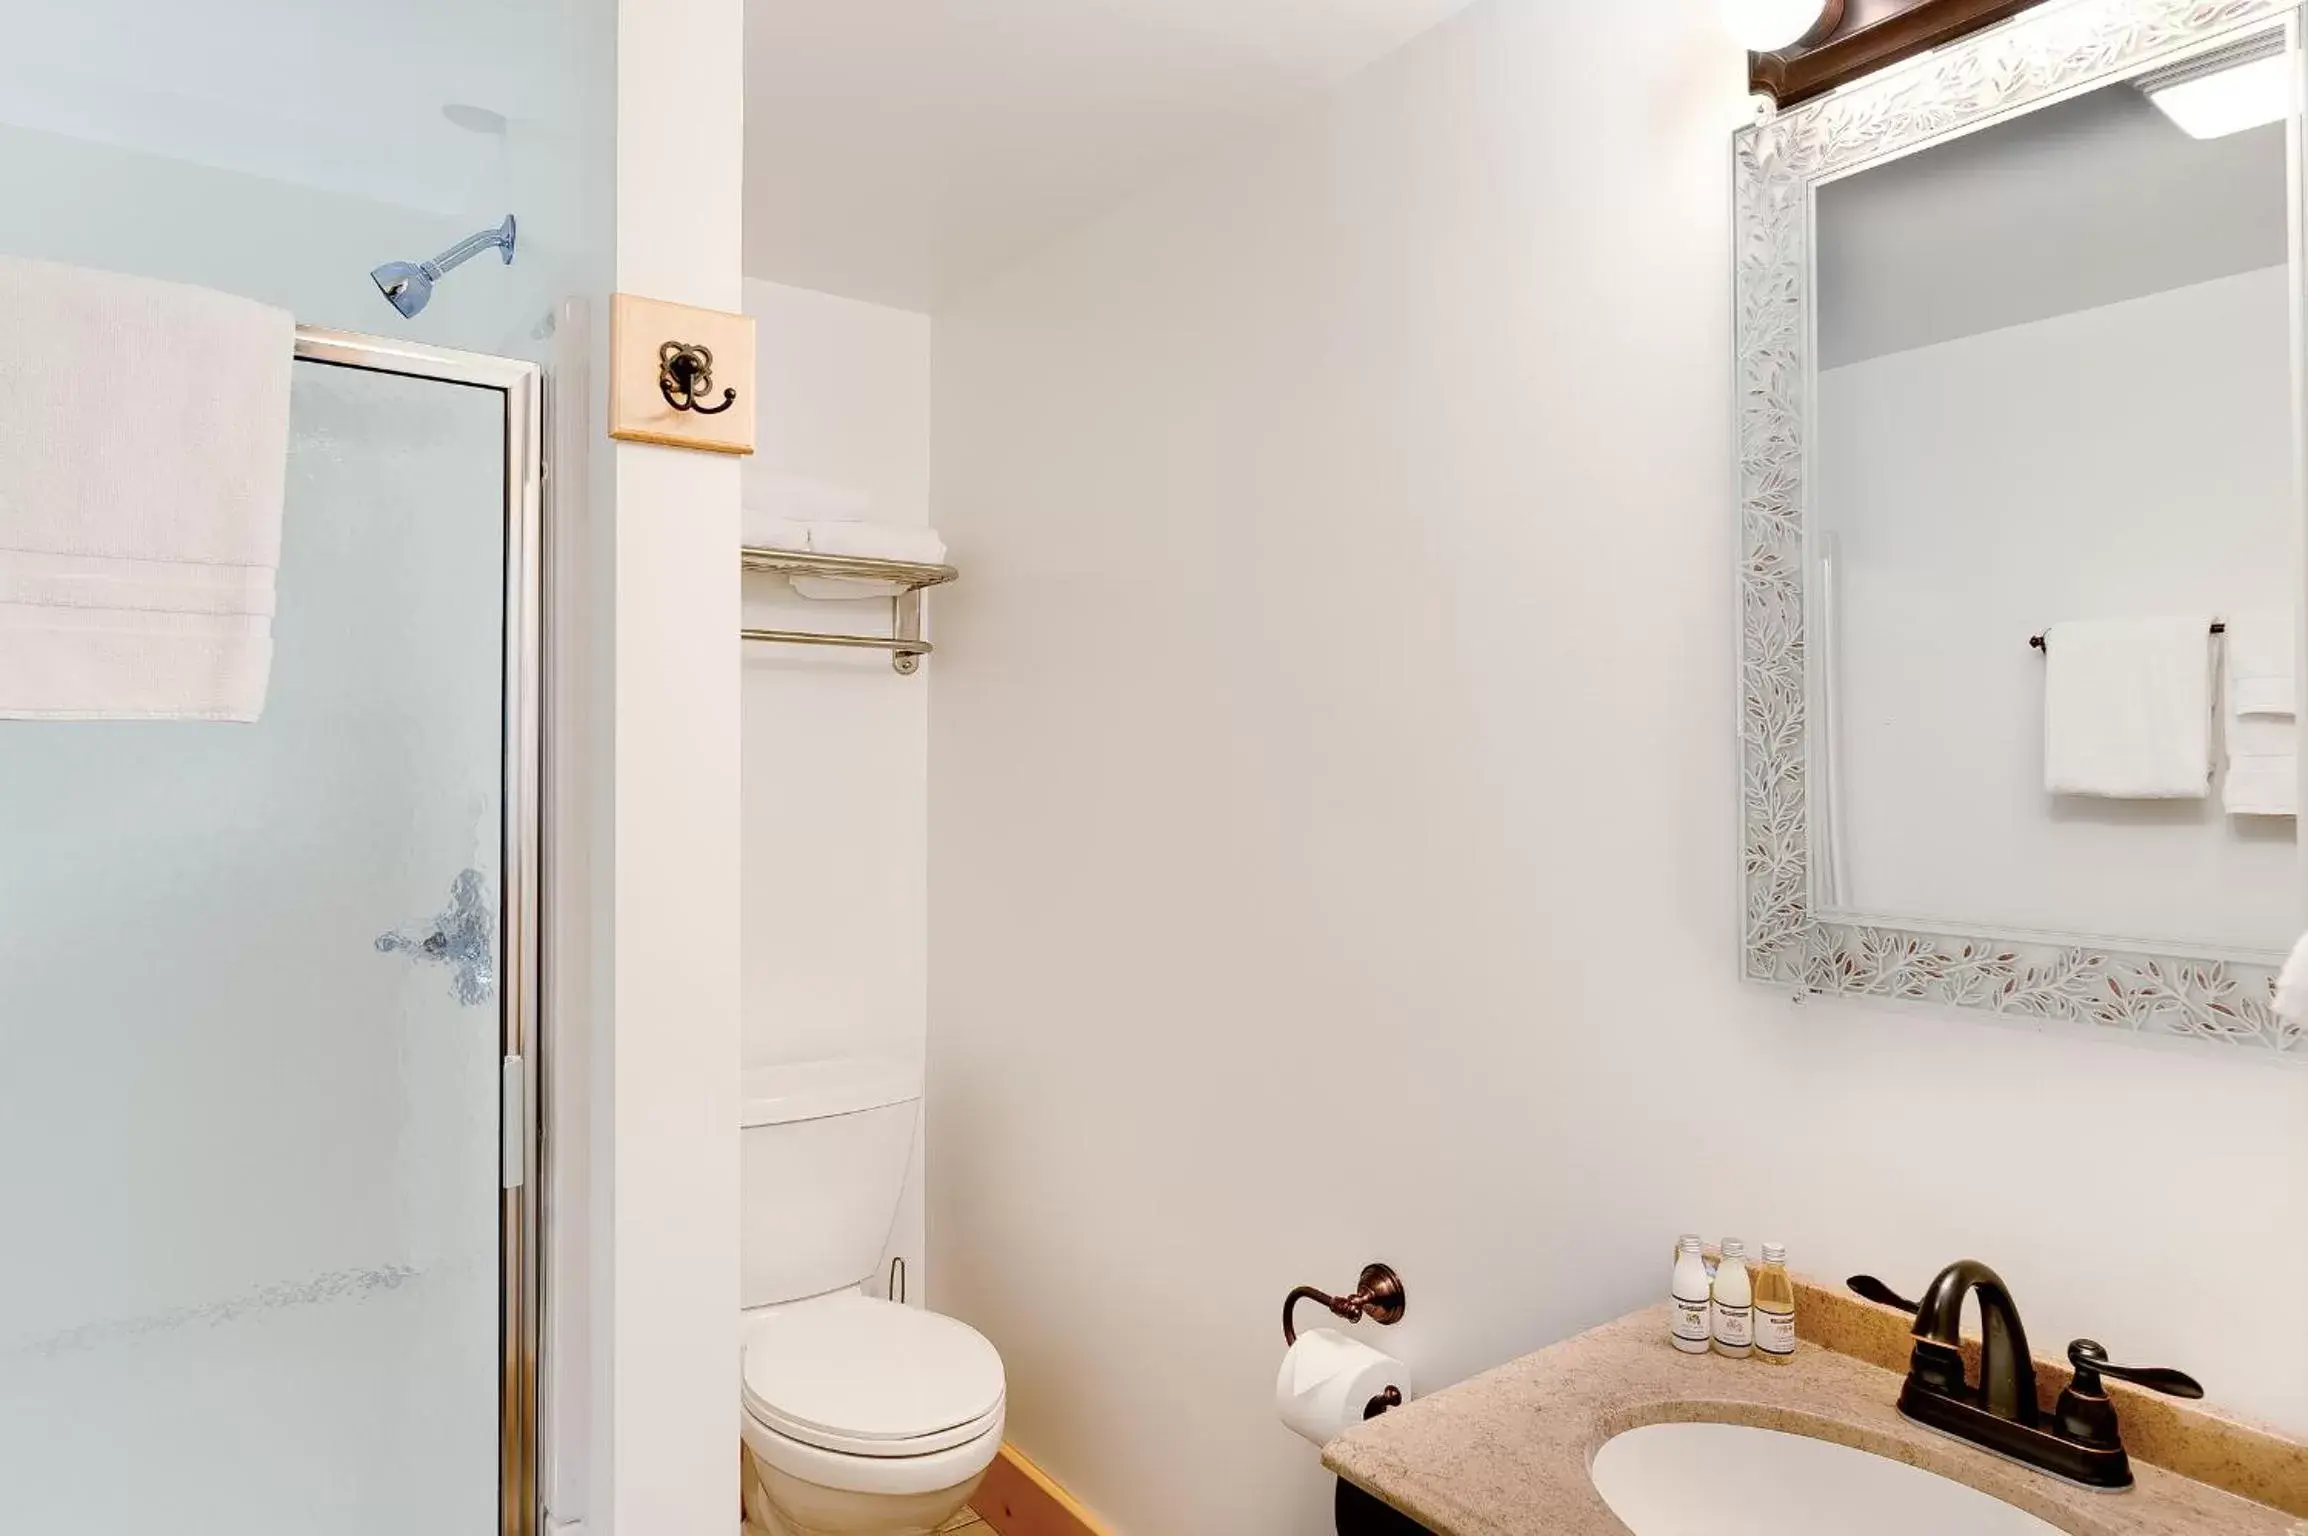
(1731, 1480)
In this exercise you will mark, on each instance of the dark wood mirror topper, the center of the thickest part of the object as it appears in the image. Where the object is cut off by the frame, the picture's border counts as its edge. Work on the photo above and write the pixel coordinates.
(1857, 36)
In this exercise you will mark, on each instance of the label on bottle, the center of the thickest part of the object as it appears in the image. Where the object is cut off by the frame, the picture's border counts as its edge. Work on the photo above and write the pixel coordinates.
(1734, 1326)
(1775, 1332)
(1690, 1326)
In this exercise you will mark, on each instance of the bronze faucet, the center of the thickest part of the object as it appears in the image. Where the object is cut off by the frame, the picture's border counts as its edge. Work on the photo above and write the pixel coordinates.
(2082, 1442)
(2007, 1372)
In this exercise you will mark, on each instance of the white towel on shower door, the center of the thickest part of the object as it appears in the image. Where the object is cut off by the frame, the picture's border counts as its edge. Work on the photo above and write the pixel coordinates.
(2128, 708)
(143, 461)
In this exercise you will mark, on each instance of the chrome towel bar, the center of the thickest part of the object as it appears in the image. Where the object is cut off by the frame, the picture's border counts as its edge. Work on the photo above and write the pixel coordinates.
(904, 643)
(2037, 641)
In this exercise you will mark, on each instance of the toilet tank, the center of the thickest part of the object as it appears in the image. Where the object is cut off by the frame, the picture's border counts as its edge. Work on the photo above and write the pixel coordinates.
(823, 1150)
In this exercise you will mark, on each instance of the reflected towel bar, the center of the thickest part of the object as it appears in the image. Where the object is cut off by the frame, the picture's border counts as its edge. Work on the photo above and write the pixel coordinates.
(2037, 641)
(905, 643)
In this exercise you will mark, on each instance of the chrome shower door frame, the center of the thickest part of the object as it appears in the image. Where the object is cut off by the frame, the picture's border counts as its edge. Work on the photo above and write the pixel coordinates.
(520, 1205)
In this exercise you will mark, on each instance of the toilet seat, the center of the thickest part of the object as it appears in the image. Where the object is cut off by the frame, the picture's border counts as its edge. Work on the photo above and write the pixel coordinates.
(826, 1439)
(958, 1466)
(872, 1379)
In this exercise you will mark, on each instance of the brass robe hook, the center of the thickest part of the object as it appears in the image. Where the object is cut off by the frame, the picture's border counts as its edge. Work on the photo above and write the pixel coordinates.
(685, 376)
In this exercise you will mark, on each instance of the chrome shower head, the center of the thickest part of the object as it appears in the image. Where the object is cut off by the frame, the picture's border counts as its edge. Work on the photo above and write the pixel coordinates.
(408, 285)
(404, 284)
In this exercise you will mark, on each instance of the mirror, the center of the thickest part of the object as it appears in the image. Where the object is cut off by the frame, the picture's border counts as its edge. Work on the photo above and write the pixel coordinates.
(2018, 354)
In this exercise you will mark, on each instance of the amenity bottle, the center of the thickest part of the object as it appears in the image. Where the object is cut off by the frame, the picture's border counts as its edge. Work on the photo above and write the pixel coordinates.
(1733, 1310)
(1774, 1307)
(1691, 1295)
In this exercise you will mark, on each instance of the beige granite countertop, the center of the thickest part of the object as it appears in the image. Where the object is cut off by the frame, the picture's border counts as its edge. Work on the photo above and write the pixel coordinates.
(1506, 1453)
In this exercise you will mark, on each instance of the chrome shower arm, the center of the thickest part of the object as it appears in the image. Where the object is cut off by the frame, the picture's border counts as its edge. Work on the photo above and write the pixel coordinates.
(408, 285)
(500, 238)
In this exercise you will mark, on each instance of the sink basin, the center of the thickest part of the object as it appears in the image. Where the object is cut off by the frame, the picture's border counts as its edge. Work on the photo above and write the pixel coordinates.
(1732, 1480)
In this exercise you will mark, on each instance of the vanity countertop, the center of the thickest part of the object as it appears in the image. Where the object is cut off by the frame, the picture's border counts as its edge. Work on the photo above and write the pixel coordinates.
(1506, 1453)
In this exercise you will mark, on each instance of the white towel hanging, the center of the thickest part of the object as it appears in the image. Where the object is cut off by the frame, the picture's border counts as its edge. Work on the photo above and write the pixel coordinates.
(2128, 708)
(143, 466)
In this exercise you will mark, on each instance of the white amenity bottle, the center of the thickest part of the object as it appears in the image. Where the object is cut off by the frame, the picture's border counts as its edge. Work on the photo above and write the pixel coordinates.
(1692, 1297)
(1733, 1309)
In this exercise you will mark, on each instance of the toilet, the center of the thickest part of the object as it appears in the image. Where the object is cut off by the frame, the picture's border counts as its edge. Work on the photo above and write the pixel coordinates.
(860, 1417)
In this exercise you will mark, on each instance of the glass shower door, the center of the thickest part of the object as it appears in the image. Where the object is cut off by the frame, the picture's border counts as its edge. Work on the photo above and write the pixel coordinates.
(253, 1022)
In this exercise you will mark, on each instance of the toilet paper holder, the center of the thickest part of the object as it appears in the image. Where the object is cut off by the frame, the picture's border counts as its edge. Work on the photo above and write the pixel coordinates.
(1377, 1295)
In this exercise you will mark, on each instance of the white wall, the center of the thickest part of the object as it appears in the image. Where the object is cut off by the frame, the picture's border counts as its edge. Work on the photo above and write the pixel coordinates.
(1333, 840)
(667, 1046)
(2129, 460)
(836, 742)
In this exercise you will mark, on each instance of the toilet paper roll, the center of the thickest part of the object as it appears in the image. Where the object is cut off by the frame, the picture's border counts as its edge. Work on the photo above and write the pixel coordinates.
(1327, 1381)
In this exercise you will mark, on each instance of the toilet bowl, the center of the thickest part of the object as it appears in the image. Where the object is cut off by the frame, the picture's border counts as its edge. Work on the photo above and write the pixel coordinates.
(864, 1418)
(860, 1417)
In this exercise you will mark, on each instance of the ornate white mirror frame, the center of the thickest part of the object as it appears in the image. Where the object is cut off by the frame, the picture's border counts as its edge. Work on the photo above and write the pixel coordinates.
(2045, 54)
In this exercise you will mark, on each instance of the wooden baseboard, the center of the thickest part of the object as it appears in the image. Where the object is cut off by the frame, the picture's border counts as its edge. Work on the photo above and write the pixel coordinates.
(1019, 1499)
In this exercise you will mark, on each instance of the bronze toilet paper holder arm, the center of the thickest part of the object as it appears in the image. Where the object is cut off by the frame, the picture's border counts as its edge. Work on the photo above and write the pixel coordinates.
(1377, 1295)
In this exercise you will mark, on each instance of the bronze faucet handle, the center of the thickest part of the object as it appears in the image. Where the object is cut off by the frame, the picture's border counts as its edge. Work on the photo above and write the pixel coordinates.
(1868, 1288)
(2084, 1413)
(2091, 1362)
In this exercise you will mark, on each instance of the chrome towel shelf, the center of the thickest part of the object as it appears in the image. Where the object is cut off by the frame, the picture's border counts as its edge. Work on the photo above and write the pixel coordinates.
(904, 643)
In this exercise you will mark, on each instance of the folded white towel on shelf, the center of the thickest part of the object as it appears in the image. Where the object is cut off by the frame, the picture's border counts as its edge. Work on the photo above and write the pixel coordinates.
(143, 466)
(878, 541)
(2263, 771)
(2260, 649)
(2128, 708)
(871, 541)
(765, 530)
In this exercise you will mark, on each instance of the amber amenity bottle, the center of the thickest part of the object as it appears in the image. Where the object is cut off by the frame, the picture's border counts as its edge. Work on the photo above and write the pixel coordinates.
(1774, 1307)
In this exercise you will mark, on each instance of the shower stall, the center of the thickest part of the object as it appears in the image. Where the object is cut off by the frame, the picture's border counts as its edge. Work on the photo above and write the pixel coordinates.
(269, 1021)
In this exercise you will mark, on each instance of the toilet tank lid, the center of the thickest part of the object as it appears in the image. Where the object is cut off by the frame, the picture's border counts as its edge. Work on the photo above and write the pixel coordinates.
(816, 1090)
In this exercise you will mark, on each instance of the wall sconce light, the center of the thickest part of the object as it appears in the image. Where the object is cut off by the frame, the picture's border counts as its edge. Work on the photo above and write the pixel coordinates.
(1768, 26)
(2228, 90)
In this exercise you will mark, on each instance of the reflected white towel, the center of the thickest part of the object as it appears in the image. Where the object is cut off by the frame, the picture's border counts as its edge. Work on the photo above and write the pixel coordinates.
(2260, 648)
(2128, 708)
(2291, 1000)
(143, 464)
(2263, 774)
(2259, 724)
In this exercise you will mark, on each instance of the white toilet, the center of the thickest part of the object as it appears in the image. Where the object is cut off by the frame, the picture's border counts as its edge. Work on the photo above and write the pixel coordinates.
(861, 1417)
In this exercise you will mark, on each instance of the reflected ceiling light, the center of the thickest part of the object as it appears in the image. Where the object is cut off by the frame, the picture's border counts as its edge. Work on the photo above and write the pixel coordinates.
(474, 119)
(1766, 26)
(2227, 90)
